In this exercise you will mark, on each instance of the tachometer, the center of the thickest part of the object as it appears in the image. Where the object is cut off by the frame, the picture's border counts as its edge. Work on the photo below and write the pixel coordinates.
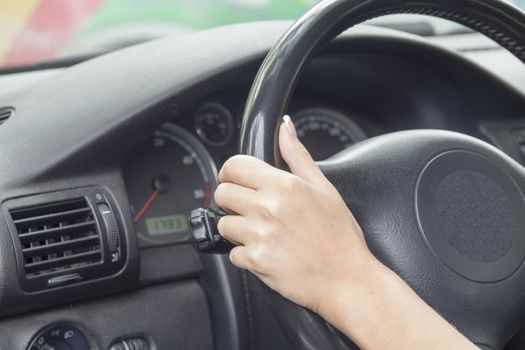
(168, 177)
(324, 132)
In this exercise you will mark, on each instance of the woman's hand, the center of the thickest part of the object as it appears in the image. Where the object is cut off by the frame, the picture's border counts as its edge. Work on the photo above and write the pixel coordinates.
(296, 234)
(293, 229)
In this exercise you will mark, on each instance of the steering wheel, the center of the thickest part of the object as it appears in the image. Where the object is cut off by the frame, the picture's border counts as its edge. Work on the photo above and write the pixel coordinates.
(443, 210)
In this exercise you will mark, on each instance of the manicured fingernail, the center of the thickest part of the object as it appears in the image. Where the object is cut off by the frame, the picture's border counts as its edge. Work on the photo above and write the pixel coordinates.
(289, 125)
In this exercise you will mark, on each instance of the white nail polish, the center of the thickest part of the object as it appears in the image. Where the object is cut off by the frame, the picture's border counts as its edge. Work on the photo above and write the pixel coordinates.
(289, 125)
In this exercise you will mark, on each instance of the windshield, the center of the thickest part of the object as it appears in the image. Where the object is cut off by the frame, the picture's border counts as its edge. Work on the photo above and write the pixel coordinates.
(36, 31)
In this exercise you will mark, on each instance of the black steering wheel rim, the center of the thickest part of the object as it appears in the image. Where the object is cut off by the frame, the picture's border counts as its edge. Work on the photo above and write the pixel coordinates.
(274, 85)
(278, 74)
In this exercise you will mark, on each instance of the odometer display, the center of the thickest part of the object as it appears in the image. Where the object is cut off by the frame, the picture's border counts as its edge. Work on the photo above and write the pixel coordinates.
(167, 225)
(167, 177)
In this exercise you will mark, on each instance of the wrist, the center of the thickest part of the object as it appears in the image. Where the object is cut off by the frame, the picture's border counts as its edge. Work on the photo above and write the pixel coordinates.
(358, 306)
(351, 285)
(350, 303)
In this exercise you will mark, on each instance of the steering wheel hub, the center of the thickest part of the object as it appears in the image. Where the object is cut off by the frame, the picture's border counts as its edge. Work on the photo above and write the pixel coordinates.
(471, 213)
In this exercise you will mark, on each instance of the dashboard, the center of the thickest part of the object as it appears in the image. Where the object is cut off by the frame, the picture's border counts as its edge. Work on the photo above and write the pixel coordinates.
(154, 157)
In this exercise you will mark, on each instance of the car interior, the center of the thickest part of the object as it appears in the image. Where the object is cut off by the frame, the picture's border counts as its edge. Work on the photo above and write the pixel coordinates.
(103, 158)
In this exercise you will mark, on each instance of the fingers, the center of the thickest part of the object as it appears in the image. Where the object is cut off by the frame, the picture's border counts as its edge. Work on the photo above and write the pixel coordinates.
(239, 257)
(246, 258)
(254, 173)
(235, 198)
(296, 156)
(248, 171)
(235, 229)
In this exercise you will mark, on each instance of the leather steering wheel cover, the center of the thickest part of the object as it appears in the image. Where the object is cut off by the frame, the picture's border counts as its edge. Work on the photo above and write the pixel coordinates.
(276, 78)
(279, 72)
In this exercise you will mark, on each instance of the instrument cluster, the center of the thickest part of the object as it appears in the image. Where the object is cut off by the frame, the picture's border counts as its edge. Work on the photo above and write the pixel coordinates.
(175, 170)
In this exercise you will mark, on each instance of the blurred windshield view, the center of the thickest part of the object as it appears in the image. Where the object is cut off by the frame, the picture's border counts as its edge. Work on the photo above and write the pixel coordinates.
(36, 31)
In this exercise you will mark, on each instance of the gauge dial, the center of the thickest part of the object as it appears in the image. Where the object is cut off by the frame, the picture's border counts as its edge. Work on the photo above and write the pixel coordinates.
(325, 132)
(168, 177)
(214, 124)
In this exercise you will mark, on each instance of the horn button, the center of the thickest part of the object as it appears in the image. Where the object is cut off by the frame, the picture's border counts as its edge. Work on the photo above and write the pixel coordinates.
(471, 214)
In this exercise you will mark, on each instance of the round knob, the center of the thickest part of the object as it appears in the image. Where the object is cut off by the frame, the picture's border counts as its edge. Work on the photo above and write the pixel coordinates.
(59, 337)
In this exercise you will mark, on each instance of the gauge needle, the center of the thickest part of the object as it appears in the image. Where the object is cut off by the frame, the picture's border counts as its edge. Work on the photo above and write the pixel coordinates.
(146, 205)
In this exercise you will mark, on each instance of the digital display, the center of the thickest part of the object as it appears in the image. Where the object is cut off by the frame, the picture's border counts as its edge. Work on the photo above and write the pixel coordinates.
(166, 225)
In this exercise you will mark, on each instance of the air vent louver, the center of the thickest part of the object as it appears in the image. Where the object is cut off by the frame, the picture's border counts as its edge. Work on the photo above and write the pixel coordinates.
(56, 237)
(5, 113)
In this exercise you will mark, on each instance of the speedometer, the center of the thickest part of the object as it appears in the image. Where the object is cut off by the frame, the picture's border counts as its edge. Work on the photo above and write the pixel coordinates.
(170, 175)
(325, 132)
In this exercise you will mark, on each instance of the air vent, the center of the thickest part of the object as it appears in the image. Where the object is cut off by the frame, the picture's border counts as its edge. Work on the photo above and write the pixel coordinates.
(57, 237)
(66, 237)
(5, 113)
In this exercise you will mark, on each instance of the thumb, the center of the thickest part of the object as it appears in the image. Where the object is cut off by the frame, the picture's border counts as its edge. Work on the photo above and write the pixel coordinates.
(296, 155)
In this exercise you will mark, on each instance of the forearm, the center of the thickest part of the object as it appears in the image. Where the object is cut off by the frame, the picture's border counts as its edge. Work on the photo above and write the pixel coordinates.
(380, 311)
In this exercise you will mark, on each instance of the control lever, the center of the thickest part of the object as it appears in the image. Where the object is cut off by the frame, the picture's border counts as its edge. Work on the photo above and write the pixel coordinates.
(206, 237)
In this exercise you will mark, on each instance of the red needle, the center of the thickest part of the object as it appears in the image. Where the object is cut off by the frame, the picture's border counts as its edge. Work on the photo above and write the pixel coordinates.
(146, 206)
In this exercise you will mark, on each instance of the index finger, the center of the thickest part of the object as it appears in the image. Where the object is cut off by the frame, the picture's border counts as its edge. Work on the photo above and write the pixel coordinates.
(248, 171)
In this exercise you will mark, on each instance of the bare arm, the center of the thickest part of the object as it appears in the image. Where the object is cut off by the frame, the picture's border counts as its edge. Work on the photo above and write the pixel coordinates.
(384, 313)
(296, 234)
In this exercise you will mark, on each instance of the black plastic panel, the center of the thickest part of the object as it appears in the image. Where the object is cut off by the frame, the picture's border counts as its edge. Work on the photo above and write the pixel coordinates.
(170, 316)
(168, 263)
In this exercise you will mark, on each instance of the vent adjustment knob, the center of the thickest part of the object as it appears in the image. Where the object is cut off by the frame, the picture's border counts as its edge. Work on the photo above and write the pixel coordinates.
(112, 233)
